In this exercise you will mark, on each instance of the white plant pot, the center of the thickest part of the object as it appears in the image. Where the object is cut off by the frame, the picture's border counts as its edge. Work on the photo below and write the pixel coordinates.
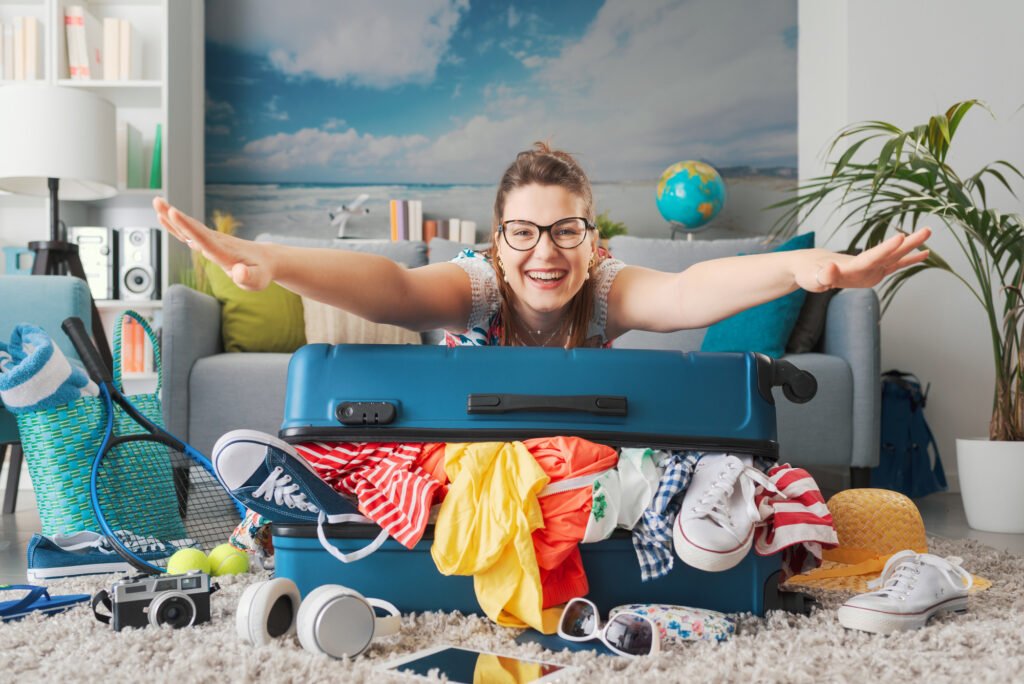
(992, 484)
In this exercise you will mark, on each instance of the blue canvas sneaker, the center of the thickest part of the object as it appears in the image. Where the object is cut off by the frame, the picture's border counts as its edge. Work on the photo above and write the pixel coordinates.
(82, 553)
(268, 476)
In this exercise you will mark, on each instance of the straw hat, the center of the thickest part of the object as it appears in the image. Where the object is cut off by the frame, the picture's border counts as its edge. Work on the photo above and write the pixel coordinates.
(872, 525)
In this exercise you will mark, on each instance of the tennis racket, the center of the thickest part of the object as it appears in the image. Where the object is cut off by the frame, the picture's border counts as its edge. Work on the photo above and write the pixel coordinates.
(152, 493)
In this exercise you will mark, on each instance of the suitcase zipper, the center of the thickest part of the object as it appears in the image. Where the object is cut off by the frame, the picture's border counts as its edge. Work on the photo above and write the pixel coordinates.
(764, 448)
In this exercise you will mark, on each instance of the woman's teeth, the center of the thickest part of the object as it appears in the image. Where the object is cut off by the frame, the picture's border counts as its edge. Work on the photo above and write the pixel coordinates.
(546, 277)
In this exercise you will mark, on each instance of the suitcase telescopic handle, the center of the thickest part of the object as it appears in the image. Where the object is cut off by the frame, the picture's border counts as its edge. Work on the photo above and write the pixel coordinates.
(601, 405)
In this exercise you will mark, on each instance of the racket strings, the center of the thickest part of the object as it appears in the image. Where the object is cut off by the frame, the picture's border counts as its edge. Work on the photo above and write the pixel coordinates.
(156, 500)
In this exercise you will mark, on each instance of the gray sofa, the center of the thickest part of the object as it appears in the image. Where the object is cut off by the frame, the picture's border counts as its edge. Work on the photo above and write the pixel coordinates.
(208, 392)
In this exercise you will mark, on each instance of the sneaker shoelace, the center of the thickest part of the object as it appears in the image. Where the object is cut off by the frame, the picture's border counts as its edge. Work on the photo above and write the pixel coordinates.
(279, 487)
(902, 570)
(714, 503)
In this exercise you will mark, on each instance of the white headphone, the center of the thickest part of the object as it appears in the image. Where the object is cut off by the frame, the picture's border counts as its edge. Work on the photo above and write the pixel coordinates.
(333, 619)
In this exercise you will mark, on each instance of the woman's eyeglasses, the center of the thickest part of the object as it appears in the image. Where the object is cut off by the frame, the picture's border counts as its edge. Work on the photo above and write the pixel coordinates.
(568, 233)
(628, 634)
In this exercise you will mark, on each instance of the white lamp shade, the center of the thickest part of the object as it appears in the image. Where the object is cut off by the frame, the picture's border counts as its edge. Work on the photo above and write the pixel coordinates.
(54, 132)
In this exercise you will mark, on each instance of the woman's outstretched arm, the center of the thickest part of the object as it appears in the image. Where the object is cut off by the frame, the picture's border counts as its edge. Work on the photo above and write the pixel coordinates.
(369, 285)
(707, 292)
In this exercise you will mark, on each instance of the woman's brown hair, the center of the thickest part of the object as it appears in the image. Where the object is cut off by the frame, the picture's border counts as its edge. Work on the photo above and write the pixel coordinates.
(543, 166)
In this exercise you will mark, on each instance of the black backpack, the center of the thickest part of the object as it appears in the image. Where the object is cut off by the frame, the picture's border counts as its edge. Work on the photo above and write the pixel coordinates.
(909, 461)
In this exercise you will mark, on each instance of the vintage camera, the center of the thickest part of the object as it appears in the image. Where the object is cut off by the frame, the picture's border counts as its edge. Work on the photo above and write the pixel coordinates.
(173, 600)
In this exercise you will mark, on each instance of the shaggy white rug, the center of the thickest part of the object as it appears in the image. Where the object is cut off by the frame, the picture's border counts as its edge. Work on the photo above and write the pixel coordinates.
(986, 644)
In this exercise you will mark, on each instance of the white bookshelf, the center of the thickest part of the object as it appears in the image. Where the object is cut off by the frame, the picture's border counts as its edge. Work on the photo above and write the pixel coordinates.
(171, 34)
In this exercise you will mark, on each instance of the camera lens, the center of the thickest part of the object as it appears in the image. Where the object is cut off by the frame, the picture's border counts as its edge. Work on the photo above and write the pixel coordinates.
(173, 609)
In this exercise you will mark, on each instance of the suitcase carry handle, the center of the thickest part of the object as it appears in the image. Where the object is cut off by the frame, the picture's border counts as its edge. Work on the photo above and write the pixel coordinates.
(602, 405)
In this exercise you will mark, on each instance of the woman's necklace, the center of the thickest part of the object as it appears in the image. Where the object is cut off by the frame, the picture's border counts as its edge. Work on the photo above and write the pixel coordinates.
(535, 335)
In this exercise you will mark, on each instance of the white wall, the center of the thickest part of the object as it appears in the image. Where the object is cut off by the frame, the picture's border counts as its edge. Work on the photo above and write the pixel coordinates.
(902, 61)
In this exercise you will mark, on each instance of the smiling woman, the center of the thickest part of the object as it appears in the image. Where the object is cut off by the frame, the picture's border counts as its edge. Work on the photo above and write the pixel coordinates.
(544, 282)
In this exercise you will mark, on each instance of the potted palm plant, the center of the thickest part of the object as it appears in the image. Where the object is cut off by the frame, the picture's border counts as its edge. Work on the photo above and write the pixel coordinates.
(887, 179)
(607, 228)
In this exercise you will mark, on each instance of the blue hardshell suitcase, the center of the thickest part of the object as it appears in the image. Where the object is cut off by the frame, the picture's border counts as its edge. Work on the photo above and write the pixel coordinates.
(638, 398)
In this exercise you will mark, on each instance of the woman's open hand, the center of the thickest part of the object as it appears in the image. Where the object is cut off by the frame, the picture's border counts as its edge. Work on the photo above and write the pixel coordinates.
(823, 270)
(245, 261)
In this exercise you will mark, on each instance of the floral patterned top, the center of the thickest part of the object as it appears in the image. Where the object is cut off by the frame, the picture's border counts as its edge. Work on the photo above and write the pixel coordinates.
(484, 326)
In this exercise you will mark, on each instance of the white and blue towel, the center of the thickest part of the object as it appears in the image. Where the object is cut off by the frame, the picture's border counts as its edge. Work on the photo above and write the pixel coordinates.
(35, 375)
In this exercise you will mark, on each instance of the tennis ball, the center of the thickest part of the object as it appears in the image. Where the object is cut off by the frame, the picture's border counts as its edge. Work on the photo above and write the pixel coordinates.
(188, 559)
(228, 560)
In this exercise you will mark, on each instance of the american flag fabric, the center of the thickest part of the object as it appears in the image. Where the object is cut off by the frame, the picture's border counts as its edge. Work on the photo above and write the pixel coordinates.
(794, 519)
(386, 480)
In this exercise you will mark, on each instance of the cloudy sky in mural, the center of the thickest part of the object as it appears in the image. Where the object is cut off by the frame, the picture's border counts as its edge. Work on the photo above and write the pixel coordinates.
(446, 91)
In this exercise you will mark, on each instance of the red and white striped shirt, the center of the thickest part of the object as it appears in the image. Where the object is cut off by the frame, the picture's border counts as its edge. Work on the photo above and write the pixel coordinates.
(794, 518)
(386, 480)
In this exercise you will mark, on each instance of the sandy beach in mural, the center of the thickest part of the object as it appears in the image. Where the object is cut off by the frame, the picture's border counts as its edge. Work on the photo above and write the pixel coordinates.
(301, 210)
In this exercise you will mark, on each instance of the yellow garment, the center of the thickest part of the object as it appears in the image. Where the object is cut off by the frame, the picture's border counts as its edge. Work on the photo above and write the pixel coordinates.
(492, 669)
(484, 529)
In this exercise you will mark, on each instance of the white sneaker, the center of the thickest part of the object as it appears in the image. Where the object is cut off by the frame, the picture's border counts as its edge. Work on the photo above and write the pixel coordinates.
(715, 526)
(914, 587)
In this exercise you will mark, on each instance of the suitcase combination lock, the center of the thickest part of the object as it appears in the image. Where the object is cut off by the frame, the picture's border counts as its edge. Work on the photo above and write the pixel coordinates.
(366, 413)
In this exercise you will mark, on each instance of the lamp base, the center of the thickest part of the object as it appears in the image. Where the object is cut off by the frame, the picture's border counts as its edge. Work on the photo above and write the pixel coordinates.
(56, 257)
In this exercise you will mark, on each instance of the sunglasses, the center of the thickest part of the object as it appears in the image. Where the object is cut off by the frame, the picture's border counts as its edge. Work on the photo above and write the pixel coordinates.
(627, 634)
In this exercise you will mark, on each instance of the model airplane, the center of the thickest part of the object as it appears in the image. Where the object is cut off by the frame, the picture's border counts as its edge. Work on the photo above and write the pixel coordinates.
(340, 215)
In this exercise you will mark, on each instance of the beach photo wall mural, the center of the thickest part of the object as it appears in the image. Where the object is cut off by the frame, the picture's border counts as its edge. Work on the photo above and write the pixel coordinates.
(312, 105)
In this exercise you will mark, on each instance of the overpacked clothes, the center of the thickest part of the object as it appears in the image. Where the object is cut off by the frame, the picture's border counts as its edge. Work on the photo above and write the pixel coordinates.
(386, 479)
(566, 511)
(794, 520)
(513, 514)
(622, 494)
(484, 528)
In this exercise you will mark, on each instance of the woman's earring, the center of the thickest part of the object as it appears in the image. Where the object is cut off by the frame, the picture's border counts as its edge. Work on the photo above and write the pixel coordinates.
(501, 267)
(590, 266)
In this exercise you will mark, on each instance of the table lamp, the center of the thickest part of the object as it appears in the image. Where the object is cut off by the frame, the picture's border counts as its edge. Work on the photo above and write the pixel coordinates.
(58, 142)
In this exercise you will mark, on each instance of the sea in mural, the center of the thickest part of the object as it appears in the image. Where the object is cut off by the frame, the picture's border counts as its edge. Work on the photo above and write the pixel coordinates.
(311, 105)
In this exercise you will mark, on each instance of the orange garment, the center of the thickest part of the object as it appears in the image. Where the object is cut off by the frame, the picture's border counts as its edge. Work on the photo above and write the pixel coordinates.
(483, 529)
(431, 460)
(565, 514)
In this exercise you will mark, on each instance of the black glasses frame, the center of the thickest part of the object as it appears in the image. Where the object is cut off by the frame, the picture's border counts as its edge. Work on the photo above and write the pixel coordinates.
(546, 229)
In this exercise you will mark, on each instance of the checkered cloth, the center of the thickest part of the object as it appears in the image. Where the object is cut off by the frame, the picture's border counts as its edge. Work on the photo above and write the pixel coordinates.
(652, 536)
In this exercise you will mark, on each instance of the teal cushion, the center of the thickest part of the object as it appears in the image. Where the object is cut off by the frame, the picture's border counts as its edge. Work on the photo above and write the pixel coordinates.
(763, 328)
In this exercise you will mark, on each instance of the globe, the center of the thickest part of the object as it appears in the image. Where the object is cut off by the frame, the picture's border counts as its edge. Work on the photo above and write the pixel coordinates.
(690, 194)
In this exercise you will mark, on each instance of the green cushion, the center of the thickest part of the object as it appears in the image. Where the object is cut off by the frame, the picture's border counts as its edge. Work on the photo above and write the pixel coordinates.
(269, 320)
(763, 328)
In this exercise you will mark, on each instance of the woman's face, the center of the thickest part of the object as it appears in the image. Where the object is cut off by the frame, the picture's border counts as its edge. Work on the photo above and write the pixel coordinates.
(547, 277)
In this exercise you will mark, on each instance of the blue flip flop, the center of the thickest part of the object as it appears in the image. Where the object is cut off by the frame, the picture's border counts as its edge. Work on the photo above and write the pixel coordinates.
(37, 599)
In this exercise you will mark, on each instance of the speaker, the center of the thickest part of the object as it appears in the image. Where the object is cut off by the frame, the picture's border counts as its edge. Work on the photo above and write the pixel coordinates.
(140, 263)
(98, 249)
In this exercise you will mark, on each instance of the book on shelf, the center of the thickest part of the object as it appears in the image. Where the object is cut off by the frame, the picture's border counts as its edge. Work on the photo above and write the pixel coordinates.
(111, 48)
(8, 53)
(416, 220)
(32, 45)
(129, 52)
(429, 229)
(156, 168)
(19, 48)
(392, 209)
(129, 156)
(84, 35)
(403, 220)
(467, 232)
